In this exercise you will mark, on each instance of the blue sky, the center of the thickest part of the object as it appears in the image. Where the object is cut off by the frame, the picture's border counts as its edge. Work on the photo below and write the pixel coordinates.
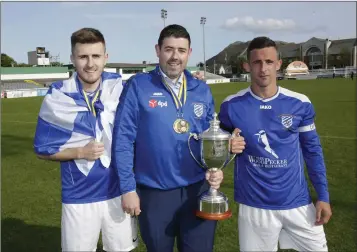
(131, 29)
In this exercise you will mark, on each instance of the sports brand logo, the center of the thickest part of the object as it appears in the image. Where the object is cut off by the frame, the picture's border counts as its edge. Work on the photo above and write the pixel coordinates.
(157, 94)
(134, 225)
(287, 120)
(198, 109)
(265, 107)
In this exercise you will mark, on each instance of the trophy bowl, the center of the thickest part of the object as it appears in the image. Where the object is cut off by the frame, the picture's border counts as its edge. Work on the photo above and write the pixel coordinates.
(215, 155)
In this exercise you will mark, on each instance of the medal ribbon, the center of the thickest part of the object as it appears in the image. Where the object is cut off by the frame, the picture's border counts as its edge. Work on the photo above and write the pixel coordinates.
(179, 100)
(91, 106)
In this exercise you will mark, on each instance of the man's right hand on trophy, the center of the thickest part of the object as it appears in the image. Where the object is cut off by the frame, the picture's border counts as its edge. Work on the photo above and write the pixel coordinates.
(130, 203)
(237, 142)
(214, 178)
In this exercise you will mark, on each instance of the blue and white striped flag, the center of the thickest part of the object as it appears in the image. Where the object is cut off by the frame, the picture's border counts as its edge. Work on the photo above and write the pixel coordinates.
(65, 121)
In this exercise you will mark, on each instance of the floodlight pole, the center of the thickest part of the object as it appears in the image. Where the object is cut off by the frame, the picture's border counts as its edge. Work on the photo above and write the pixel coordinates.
(203, 22)
(164, 15)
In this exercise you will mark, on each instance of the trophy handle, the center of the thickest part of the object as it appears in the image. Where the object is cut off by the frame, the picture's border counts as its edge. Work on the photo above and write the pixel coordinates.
(194, 135)
(229, 148)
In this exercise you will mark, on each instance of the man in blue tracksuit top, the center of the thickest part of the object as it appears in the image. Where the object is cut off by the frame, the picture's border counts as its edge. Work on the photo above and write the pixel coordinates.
(157, 112)
(278, 126)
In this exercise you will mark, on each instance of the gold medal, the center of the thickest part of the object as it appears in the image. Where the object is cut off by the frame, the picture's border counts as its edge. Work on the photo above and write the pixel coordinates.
(184, 126)
(176, 126)
(181, 126)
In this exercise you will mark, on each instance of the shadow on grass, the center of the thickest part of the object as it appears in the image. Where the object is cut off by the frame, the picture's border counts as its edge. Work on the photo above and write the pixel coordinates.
(18, 236)
(15, 145)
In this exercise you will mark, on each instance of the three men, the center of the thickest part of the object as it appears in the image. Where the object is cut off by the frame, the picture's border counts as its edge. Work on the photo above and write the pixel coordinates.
(158, 179)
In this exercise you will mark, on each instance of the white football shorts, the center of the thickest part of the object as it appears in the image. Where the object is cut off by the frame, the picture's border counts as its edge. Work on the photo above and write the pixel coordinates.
(81, 225)
(262, 230)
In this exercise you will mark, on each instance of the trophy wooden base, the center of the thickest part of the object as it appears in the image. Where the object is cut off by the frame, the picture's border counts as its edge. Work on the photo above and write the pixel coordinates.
(214, 216)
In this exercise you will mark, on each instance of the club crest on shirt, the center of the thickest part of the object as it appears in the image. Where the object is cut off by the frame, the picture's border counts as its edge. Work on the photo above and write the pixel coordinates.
(286, 120)
(198, 109)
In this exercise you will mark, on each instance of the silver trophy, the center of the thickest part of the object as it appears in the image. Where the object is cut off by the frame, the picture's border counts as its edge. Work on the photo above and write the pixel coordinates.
(215, 155)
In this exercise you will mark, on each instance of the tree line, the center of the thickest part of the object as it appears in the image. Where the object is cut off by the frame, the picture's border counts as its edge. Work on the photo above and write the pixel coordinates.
(344, 58)
(7, 61)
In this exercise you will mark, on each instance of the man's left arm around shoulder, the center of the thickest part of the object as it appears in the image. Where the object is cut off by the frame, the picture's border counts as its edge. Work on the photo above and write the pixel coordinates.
(314, 159)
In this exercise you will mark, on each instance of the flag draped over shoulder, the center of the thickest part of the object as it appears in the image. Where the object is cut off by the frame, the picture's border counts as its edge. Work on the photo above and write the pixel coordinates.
(65, 121)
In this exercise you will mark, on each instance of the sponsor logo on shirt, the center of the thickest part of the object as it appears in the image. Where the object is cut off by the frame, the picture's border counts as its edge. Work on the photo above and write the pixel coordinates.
(263, 139)
(155, 103)
(266, 162)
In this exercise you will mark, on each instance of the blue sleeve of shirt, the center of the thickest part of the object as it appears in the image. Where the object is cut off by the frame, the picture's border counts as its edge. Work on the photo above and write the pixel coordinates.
(124, 135)
(313, 154)
(223, 116)
(210, 110)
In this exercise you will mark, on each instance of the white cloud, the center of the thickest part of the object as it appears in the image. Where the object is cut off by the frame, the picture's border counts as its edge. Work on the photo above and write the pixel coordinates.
(259, 25)
(250, 24)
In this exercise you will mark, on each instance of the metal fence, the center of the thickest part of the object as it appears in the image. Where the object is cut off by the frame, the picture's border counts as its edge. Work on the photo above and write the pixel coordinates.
(17, 85)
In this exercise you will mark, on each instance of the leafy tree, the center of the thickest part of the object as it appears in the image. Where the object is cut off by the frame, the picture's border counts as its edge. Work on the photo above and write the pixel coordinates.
(56, 64)
(332, 61)
(341, 60)
(240, 62)
(23, 65)
(237, 64)
(233, 63)
(199, 64)
(7, 61)
(284, 64)
(345, 57)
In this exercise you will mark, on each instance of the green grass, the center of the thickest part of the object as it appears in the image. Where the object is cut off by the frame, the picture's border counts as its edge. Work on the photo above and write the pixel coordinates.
(31, 205)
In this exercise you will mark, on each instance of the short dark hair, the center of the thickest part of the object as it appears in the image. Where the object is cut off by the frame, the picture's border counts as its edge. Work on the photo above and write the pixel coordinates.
(86, 36)
(176, 31)
(260, 43)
